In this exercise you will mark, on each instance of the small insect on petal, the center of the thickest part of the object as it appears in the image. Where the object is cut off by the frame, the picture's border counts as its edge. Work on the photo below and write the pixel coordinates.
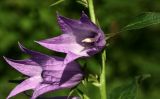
(89, 40)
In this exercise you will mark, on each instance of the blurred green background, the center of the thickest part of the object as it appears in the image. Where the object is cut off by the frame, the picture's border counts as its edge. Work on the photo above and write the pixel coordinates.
(129, 54)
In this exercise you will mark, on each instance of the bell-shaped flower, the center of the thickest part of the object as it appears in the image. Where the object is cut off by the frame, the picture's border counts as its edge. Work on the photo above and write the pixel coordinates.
(80, 38)
(45, 73)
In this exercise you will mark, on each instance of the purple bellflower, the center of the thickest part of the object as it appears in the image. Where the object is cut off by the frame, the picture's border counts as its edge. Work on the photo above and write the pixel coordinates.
(80, 38)
(45, 73)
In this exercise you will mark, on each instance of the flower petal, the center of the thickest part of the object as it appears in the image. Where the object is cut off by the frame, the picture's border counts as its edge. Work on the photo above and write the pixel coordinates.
(71, 76)
(28, 84)
(72, 80)
(71, 57)
(69, 22)
(83, 24)
(64, 27)
(81, 29)
(26, 67)
(45, 61)
(44, 88)
(85, 19)
(63, 43)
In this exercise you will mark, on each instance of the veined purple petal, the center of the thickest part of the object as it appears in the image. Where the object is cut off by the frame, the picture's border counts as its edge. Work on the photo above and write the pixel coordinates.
(52, 76)
(36, 63)
(73, 73)
(61, 75)
(71, 57)
(63, 43)
(73, 66)
(26, 67)
(71, 76)
(83, 24)
(64, 27)
(69, 22)
(73, 81)
(85, 19)
(44, 88)
(43, 60)
(28, 84)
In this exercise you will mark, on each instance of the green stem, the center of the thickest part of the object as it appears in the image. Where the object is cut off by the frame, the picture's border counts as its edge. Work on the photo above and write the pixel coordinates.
(103, 72)
(91, 11)
(103, 77)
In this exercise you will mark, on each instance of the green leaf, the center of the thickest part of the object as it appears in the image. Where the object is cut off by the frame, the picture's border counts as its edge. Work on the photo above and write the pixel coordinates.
(58, 2)
(143, 20)
(83, 2)
(82, 95)
(128, 91)
(70, 93)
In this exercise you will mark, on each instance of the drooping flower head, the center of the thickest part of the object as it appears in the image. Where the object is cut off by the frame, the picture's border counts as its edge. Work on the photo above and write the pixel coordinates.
(45, 73)
(80, 38)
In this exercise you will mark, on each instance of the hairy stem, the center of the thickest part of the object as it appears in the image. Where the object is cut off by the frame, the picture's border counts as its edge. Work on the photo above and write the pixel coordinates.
(103, 69)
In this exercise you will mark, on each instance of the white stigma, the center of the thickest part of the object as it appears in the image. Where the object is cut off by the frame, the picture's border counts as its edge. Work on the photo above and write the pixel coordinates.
(89, 40)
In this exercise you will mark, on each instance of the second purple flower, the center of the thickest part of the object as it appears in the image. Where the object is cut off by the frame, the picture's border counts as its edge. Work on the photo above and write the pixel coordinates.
(45, 73)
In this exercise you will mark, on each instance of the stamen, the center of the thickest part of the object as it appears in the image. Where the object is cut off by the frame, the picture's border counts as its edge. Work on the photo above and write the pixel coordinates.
(89, 40)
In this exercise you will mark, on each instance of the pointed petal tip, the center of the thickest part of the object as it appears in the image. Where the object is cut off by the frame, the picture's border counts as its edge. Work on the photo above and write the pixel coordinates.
(84, 18)
(8, 60)
(4, 57)
(39, 42)
(36, 41)
(83, 13)
(8, 97)
(59, 16)
(42, 41)
(19, 43)
(27, 84)
(22, 47)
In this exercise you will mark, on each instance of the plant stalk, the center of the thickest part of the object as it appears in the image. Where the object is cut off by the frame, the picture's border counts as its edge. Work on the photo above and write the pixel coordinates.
(103, 77)
(103, 91)
(91, 11)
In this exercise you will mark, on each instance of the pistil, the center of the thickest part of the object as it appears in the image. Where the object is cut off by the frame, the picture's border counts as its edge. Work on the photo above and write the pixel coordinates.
(89, 40)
